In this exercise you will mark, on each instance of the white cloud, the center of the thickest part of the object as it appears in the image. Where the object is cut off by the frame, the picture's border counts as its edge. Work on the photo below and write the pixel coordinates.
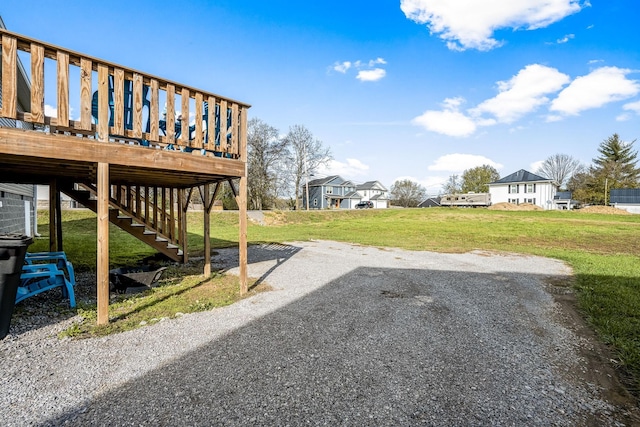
(470, 24)
(342, 67)
(459, 162)
(523, 93)
(349, 169)
(565, 38)
(536, 165)
(632, 106)
(600, 87)
(448, 121)
(367, 71)
(371, 75)
(50, 111)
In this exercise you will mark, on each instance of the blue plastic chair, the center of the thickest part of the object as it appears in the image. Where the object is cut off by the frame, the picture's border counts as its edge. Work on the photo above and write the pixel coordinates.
(40, 275)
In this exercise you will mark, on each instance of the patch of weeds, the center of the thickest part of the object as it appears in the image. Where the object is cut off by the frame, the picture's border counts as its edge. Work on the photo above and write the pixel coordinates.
(174, 297)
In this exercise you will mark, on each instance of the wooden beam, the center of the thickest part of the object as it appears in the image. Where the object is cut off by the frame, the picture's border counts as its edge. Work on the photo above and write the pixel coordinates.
(207, 232)
(242, 237)
(184, 207)
(28, 143)
(102, 274)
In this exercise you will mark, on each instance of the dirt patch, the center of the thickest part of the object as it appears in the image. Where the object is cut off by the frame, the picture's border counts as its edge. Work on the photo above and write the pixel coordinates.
(599, 363)
(604, 210)
(503, 206)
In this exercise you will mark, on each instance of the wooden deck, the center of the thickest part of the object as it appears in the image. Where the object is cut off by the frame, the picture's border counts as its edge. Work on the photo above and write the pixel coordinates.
(134, 164)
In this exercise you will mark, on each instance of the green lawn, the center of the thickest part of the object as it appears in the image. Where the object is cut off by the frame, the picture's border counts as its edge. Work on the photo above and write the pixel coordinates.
(604, 250)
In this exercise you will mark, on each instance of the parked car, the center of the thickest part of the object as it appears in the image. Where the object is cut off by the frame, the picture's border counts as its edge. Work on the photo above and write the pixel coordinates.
(365, 205)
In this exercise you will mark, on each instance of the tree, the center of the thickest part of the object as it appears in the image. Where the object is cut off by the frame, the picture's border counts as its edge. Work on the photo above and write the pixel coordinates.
(265, 151)
(453, 185)
(615, 167)
(407, 193)
(560, 168)
(306, 154)
(475, 180)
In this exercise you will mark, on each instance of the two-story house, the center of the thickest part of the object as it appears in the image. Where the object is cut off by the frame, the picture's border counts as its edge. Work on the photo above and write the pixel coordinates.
(334, 192)
(375, 192)
(524, 187)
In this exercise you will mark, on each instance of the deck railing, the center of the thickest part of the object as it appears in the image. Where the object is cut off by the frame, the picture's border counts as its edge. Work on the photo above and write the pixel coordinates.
(116, 103)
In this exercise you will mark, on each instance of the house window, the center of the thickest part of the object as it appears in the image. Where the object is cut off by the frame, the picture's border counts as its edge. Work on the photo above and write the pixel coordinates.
(329, 190)
(513, 188)
(532, 201)
(514, 201)
(315, 202)
(531, 188)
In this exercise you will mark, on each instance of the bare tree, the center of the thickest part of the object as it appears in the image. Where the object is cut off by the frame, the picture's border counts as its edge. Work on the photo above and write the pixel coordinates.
(407, 193)
(265, 150)
(560, 168)
(306, 154)
(453, 185)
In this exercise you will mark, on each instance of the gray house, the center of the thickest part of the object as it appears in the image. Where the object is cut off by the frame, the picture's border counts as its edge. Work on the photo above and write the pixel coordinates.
(625, 198)
(331, 192)
(18, 201)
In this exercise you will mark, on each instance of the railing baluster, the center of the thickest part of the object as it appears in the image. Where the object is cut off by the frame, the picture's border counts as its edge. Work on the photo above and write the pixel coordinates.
(184, 123)
(9, 77)
(85, 93)
(37, 84)
(62, 59)
(171, 113)
(137, 105)
(211, 124)
(197, 143)
(103, 102)
(119, 105)
(154, 116)
(234, 129)
(223, 126)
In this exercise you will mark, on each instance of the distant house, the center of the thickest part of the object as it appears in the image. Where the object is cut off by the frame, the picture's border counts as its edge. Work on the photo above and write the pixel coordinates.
(334, 192)
(431, 202)
(626, 198)
(524, 187)
(18, 201)
(563, 200)
(375, 192)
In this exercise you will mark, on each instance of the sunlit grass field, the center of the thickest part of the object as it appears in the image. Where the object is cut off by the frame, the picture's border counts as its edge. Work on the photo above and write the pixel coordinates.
(603, 250)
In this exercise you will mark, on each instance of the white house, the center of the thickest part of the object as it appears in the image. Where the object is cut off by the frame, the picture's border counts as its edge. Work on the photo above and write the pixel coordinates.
(524, 187)
(375, 192)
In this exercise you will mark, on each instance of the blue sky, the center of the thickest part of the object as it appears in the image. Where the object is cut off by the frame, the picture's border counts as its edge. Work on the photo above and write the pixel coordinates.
(418, 89)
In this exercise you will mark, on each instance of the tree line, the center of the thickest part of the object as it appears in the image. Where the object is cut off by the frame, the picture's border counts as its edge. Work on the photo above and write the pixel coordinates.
(614, 167)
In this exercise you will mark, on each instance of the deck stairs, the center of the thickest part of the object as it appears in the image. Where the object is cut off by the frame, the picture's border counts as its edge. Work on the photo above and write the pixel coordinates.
(138, 211)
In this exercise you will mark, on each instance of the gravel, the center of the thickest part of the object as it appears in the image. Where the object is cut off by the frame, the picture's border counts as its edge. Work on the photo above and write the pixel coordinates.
(348, 335)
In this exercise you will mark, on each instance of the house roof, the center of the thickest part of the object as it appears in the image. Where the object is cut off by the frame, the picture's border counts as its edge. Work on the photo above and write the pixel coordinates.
(378, 197)
(625, 195)
(352, 195)
(521, 176)
(430, 202)
(562, 195)
(323, 181)
(370, 185)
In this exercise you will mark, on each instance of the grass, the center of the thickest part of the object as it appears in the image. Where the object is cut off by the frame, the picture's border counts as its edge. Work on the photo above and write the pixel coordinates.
(603, 250)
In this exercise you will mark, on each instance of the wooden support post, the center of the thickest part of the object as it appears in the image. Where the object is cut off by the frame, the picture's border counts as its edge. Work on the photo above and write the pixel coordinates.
(184, 232)
(102, 273)
(207, 230)
(54, 205)
(242, 237)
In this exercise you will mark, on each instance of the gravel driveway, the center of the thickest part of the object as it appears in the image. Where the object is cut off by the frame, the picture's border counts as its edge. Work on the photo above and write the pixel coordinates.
(348, 335)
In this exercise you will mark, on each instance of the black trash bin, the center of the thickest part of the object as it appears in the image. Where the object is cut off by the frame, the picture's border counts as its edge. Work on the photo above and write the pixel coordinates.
(13, 248)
